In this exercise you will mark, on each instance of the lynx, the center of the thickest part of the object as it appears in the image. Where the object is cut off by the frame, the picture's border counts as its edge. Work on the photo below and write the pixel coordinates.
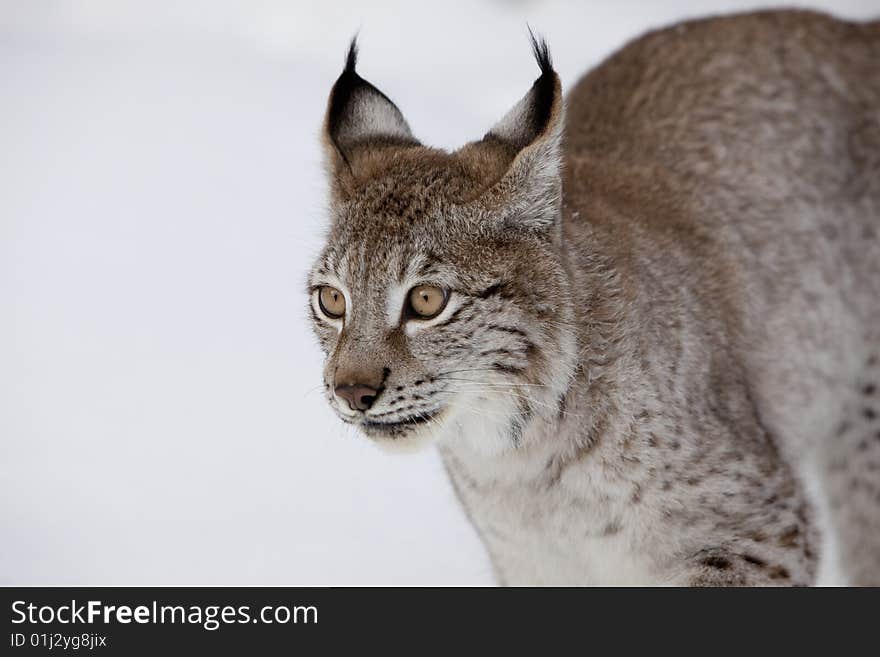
(641, 324)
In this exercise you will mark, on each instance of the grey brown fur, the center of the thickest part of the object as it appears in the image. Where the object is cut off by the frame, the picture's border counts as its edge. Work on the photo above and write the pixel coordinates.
(660, 358)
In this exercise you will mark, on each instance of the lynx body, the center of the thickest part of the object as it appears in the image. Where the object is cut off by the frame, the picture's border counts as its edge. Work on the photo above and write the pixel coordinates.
(643, 329)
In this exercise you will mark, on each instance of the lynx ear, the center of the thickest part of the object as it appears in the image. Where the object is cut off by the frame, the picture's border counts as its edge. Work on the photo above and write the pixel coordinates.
(359, 116)
(529, 192)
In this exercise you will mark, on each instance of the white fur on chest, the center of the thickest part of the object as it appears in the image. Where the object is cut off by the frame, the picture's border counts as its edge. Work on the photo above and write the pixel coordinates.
(564, 551)
(574, 532)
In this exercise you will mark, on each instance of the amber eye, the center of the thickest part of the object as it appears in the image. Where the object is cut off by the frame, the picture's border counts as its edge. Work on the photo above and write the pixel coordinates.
(332, 301)
(426, 301)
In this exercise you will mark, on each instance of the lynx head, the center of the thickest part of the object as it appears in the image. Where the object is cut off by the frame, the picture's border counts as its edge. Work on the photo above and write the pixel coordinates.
(440, 299)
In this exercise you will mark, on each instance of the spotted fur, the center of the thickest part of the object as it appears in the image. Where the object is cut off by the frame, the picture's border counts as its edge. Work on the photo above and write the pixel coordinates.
(658, 361)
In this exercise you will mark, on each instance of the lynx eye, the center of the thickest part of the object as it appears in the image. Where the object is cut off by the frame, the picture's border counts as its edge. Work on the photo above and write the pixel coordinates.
(427, 301)
(331, 301)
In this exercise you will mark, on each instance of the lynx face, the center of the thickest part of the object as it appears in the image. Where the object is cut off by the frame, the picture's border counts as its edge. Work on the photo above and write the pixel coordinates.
(440, 299)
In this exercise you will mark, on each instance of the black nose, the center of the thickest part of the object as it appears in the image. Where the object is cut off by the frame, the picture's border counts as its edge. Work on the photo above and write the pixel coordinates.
(358, 396)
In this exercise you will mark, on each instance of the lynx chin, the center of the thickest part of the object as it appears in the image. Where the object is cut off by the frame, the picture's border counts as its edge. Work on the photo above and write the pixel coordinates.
(641, 323)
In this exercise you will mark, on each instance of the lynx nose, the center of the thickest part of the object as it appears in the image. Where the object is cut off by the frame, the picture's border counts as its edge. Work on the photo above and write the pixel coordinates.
(358, 396)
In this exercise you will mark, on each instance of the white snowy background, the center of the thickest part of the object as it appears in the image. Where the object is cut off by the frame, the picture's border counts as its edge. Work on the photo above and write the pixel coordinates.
(161, 198)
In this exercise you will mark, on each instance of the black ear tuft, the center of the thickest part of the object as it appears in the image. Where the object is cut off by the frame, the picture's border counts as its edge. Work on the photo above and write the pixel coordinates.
(340, 95)
(352, 57)
(541, 51)
(545, 85)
